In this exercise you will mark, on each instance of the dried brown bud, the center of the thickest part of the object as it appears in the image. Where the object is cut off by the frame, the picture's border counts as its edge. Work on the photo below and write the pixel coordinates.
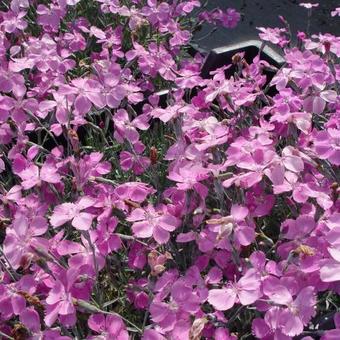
(32, 300)
(82, 63)
(197, 329)
(153, 155)
(20, 332)
(304, 250)
(26, 260)
(74, 139)
(334, 186)
(327, 45)
(4, 222)
(236, 58)
(131, 203)
(12, 124)
(244, 63)
(158, 269)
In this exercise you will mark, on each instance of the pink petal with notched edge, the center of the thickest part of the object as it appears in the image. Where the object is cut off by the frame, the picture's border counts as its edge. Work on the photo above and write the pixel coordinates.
(115, 327)
(62, 214)
(186, 237)
(51, 315)
(159, 311)
(82, 104)
(30, 177)
(239, 212)
(30, 318)
(277, 174)
(333, 236)
(83, 221)
(86, 202)
(319, 105)
(137, 215)
(305, 303)
(249, 281)
(131, 134)
(18, 303)
(48, 173)
(20, 225)
(245, 235)
(142, 229)
(151, 334)
(329, 96)
(334, 252)
(251, 178)
(97, 99)
(292, 324)
(334, 158)
(330, 271)
(160, 235)
(277, 293)
(39, 225)
(111, 101)
(247, 297)
(214, 275)
(66, 247)
(260, 329)
(293, 163)
(222, 299)
(96, 322)
(168, 222)
(66, 307)
(55, 293)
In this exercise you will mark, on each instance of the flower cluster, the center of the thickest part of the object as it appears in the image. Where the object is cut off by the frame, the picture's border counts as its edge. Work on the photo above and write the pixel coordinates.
(140, 200)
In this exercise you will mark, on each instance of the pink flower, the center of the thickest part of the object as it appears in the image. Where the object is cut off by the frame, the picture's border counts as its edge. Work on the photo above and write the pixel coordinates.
(109, 327)
(228, 18)
(82, 253)
(129, 161)
(317, 102)
(308, 5)
(22, 236)
(13, 21)
(256, 162)
(125, 129)
(336, 12)
(87, 92)
(91, 165)
(185, 298)
(31, 319)
(246, 291)
(33, 176)
(60, 301)
(49, 17)
(73, 212)
(327, 145)
(233, 226)
(298, 312)
(11, 301)
(273, 35)
(151, 222)
(137, 256)
(104, 238)
(188, 176)
(134, 191)
(135, 160)
(330, 269)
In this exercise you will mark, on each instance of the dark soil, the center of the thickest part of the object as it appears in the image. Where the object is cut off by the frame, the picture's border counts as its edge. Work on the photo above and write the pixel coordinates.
(265, 13)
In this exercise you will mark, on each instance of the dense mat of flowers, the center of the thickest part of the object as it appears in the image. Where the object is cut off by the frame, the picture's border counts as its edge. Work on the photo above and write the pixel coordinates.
(209, 211)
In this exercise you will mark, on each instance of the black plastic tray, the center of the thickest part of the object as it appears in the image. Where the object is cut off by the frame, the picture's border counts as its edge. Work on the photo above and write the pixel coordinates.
(222, 56)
